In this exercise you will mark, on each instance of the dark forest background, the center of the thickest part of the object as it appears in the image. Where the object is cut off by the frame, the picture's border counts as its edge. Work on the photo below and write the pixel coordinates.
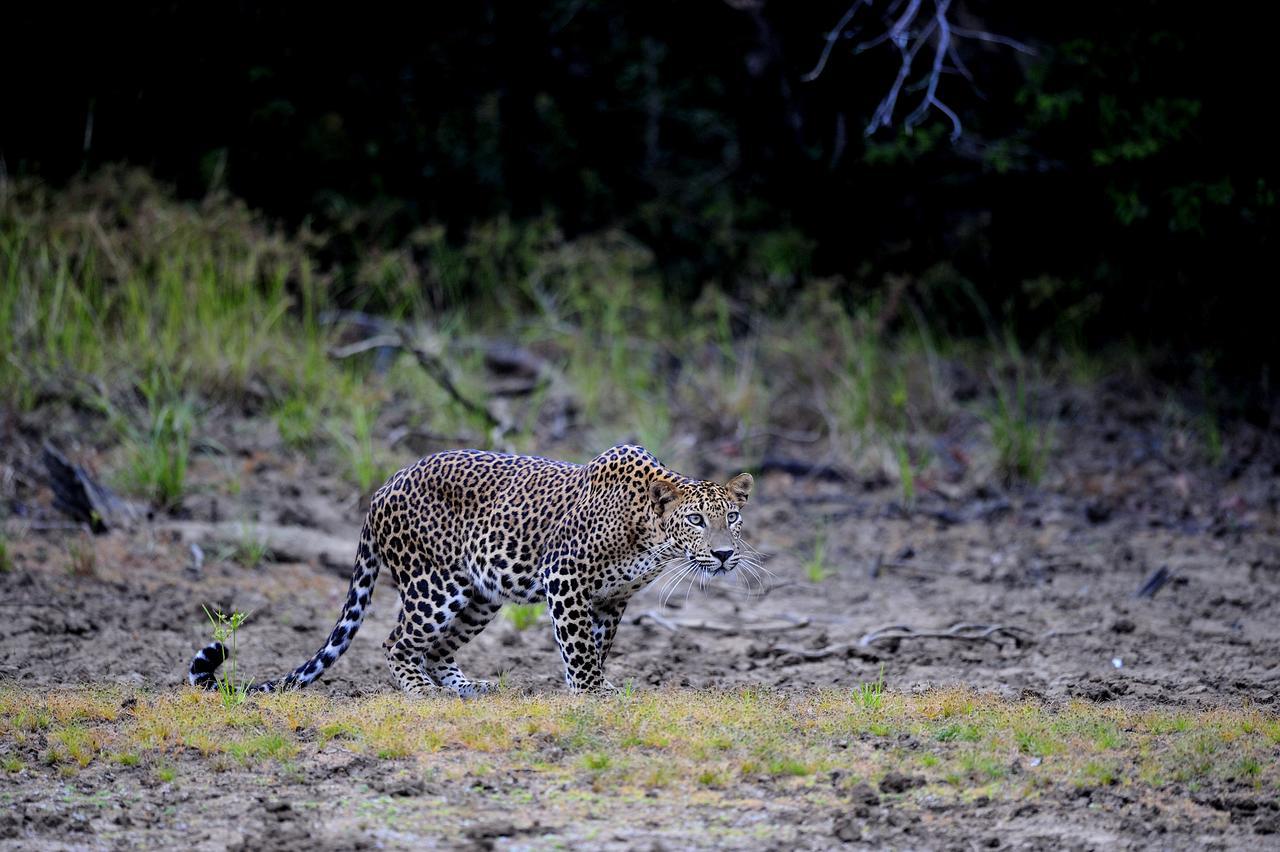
(1117, 182)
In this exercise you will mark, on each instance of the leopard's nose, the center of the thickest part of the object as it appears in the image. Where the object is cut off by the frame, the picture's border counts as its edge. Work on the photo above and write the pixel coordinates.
(722, 555)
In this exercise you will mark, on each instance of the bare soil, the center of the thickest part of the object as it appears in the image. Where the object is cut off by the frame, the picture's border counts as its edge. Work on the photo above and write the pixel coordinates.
(1128, 498)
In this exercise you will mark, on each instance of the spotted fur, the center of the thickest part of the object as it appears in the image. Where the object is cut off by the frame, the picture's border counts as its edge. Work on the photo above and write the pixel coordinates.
(463, 532)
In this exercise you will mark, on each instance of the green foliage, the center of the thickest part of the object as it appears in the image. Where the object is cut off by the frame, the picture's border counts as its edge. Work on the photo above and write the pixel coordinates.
(365, 465)
(251, 549)
(226, 628)
(157, 455)
(1021, 444)
(523, 616)
(870, 695)
(815, 567)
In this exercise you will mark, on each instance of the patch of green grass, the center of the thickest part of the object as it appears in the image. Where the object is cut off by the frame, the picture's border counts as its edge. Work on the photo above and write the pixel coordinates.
(6, 562)
(959, 732)
(1021, 444)
(11, 764)
(156, 456)
(363, 459)
(166, 773)
(273, 745)
(906, 476)
(659, 739)
(788, 766)
(1101, 773)
(815, 567)
(250, 548)
(82, 556)
(870, 695)
(297, 420)
(126, 758)
(523, 616)
(73, 743)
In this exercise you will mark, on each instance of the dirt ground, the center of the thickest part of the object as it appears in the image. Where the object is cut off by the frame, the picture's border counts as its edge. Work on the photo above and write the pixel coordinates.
(1128, 498)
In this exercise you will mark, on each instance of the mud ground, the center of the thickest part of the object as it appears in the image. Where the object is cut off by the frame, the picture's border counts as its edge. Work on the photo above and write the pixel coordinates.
(1130, 501)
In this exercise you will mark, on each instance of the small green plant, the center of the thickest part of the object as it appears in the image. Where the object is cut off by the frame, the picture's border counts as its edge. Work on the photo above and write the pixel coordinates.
(815, 568)
(234, 691)
(871, 695)
(126, 758)
(906, 477)
(251, 550)
(297, 421)
(11, 764)
(364, 466)
(6, 562)
(166, 773)
(522, 616)
(157, 457)
(1022, 447)
(82, 557)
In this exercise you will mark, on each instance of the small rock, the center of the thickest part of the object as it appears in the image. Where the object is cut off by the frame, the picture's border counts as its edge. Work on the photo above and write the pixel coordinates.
(1097, 512)
(896, 782)
(862, 794)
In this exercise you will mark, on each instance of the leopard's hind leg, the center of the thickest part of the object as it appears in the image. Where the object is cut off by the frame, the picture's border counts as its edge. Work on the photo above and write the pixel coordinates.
(458, 631)
(436, 619)
(404, 656)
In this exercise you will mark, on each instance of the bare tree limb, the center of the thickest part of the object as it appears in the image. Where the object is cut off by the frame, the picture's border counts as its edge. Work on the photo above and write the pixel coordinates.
(436, 369)
(794, 623)
(908, 30)
(831, 39)
(961, 632)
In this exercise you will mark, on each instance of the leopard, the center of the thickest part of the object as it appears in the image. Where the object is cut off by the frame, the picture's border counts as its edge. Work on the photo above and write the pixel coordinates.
(464, 532)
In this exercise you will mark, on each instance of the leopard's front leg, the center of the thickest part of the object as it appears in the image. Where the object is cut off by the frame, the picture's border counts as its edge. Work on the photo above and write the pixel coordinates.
(604, 624)
(570, 608)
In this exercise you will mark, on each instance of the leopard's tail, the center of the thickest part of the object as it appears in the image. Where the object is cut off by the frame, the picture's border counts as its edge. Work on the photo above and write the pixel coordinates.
(205, 665)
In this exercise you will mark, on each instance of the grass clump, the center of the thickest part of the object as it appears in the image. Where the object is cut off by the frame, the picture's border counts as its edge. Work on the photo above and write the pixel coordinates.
(156, 457)
(870, 695)
(523, 616)
(364, 464)
(816, 568)
(1021, 445)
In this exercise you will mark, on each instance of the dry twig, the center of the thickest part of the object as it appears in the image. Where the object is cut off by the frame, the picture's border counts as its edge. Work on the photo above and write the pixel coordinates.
(962, 632)
(791, 623)
(909, 27)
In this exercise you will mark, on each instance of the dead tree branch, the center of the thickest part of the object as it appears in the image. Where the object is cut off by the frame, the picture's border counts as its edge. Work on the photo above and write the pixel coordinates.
(909, 27)
(437, 370)
(434, 366)
(794, 623)
(961, 632)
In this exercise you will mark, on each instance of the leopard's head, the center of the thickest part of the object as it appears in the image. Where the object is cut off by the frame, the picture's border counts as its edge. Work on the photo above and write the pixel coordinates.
(701, 522)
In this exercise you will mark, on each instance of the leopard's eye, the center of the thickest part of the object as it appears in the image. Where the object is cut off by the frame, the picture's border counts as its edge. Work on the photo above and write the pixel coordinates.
(697, 520)
(733, 517)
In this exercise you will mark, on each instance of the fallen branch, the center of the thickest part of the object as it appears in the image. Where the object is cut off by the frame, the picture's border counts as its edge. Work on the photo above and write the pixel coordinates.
(814, 654)
(437, 370)
(961, 632)
(431, 363)
(793, 623)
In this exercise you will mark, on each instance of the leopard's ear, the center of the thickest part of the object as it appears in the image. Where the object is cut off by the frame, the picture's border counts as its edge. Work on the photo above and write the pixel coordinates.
(663, 492)
(739, 487)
